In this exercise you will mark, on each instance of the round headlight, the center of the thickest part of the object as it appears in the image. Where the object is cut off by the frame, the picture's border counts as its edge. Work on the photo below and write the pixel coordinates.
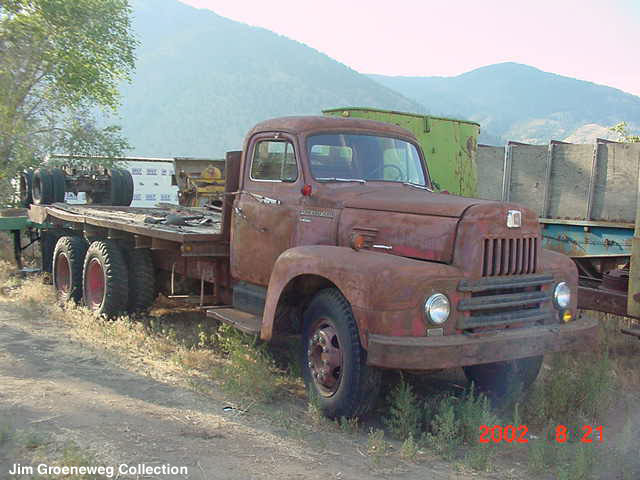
(437, 308)
(562, 295)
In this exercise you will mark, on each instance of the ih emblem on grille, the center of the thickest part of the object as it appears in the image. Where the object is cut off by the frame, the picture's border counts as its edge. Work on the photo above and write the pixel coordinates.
(514, 218)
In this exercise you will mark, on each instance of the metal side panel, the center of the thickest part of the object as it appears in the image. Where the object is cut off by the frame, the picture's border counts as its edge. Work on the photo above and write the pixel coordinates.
(615, 193)
(569, 182)
(490, 162)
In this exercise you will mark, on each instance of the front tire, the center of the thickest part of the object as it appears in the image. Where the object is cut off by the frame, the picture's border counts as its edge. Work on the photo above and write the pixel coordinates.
(503, 378)
(68, 261)
(105, 279)
(334, 364)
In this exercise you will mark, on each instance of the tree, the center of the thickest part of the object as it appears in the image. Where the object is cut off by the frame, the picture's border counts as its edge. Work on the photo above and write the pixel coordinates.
(623, 133)
(60, 64)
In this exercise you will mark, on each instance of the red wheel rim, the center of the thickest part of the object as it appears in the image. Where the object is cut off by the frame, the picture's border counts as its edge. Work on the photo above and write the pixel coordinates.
(62, 274)
(325, 357)
(94, 294)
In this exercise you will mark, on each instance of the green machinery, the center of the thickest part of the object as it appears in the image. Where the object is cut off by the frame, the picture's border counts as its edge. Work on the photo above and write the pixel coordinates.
(450, 145)
(14, 222)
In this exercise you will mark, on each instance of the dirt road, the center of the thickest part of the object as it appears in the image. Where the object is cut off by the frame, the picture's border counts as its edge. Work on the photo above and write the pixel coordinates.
(61, 389)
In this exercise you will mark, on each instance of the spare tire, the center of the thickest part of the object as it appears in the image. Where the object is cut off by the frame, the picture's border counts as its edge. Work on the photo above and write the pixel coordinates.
(127, 191)
(121, 188)
(57, 178)
(42, 187)
(26, 197)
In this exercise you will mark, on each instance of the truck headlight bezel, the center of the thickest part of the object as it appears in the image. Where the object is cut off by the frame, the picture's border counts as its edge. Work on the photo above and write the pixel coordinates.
(437, 309)
(562, 295)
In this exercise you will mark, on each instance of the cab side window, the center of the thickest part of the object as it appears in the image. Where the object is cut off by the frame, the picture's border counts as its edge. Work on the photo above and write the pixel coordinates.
(274, 160)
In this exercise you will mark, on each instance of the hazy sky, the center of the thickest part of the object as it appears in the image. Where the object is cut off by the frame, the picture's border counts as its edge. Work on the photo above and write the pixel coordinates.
(595, 40)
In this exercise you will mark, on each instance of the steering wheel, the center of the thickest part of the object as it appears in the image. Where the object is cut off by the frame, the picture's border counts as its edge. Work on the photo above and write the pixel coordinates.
(390, 165)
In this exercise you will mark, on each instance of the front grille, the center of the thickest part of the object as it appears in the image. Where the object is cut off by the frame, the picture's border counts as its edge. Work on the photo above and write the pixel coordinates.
(509, 256)
(498, 302)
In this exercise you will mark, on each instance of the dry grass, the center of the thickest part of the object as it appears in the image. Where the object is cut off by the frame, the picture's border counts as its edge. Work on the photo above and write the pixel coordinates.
(623, 350)
(172, 343)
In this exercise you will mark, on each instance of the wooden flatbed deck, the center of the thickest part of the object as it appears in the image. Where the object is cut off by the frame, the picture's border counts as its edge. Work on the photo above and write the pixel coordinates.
(136, 220)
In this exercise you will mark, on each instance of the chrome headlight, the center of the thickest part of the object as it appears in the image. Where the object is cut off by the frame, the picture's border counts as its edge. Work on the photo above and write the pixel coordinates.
(562, 295)
(437, 308)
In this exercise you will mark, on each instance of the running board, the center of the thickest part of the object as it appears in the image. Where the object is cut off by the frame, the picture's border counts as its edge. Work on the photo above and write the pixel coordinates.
(243, 321)
(631, 331)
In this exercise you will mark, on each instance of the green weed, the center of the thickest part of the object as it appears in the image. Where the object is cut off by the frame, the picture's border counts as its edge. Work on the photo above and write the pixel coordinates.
(376, 444)
(404, 412)
(409, 448)
(444, 438)
(348, 425)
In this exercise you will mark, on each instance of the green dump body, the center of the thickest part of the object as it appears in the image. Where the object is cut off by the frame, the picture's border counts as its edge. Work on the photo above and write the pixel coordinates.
(449, 145)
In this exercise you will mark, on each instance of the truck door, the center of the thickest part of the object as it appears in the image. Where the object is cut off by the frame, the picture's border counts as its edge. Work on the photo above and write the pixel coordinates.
(265, 211)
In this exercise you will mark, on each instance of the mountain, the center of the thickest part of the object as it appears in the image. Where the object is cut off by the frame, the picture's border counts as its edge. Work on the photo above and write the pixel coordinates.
(202, 81)
(519, 102)
(590, 132)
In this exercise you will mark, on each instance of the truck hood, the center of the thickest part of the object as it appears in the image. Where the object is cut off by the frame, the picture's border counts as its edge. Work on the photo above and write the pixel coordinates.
(395, 197)
(405, 221)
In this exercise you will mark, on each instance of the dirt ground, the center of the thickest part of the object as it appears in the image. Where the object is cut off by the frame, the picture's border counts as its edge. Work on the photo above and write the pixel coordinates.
(65, 390)
(120, 395)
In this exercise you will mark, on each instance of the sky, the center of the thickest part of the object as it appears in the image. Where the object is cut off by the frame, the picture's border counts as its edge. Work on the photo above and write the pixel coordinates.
(592, 40)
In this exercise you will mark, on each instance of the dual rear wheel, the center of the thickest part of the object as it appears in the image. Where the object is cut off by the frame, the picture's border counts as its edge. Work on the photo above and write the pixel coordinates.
(107, 280)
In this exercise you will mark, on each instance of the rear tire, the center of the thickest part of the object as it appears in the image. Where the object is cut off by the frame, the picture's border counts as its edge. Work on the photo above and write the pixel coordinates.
(334, 364)
(142, 288)
(504, 378)
(42, 187)
(68, 263)
(48, 240)
(105, 279)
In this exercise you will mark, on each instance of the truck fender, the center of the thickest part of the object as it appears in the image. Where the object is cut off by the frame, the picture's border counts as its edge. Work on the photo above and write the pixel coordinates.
(370, 281)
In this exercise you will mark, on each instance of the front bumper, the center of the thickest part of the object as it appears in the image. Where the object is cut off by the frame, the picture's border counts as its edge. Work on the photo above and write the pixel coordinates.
(430, 353)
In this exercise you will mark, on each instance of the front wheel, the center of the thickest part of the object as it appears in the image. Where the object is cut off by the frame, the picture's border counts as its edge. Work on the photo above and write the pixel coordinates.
(334, 363)
(503, 378)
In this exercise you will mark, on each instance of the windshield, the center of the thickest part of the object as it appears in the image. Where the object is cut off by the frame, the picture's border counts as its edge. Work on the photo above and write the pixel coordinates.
(341, 157)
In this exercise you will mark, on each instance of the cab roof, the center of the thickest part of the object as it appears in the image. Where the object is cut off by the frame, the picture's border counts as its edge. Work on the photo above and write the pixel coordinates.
(311, 124)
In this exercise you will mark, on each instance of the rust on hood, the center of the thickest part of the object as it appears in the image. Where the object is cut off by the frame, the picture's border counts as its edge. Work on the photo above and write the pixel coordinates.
(394, 197)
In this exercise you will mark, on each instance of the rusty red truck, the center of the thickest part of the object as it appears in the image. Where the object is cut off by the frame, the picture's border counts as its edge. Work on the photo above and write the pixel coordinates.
(330, 230)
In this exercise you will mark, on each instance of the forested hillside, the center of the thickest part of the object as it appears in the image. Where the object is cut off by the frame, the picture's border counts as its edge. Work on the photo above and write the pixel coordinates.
(519, 102)
(202, 81)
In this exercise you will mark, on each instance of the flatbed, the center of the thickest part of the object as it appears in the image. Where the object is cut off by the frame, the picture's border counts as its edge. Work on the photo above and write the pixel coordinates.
(135, 220)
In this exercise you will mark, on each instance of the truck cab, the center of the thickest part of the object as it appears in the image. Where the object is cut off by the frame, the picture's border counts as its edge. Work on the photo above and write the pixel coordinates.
(337, 234)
